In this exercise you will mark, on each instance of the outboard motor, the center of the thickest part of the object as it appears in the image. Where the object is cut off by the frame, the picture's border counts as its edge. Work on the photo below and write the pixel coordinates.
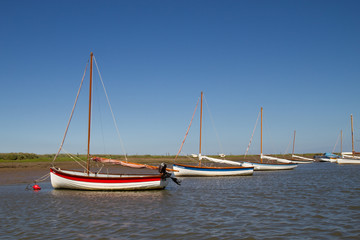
(165, 174)
(162, 168)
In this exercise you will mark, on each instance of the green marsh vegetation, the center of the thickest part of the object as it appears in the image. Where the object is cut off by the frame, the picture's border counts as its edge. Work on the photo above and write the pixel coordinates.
(32, 157)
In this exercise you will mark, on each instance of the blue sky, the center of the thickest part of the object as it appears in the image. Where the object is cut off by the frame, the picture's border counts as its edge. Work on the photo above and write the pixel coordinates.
(299, 60)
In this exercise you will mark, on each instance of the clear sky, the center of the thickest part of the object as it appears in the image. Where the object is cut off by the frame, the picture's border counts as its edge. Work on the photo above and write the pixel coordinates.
(299, 60)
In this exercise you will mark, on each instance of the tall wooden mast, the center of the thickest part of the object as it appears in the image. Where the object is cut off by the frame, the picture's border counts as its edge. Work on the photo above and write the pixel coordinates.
(352, 135)
(341, 142)
(89, 125)
(261, 150)
(201, 103)
(293, 152)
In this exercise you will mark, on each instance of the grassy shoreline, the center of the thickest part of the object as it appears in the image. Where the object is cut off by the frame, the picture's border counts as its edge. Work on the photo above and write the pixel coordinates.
(19, 158)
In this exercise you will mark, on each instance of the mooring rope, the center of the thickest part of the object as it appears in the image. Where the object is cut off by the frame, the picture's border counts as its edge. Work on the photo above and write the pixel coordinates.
(41, 179)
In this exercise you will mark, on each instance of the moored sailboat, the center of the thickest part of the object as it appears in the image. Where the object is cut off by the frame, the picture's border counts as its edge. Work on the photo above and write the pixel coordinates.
(94, 180)
(207, 171)
(299, 159)
(349, 158)
(262, 166)
(326, 157)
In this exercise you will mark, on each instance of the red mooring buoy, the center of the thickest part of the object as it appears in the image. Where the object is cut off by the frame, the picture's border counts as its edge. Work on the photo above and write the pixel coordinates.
(36, 187)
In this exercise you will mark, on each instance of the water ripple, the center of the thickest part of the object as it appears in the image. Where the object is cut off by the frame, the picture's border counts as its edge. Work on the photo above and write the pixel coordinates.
(318, 201)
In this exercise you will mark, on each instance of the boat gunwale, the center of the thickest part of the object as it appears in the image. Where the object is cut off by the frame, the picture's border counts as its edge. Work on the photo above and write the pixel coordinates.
(275, 163)
(217, 168)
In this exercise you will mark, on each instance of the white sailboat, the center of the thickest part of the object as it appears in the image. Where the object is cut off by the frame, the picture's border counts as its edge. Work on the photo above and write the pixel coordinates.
(201, 170)
(324, 158)
(299, 159)
(261, 166)
(349, 158)
(93, 180)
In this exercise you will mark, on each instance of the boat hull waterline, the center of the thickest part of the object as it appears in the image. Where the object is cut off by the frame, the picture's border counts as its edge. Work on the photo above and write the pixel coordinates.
(300, 162)
(65, 179)
(187, 170)
(272, 167)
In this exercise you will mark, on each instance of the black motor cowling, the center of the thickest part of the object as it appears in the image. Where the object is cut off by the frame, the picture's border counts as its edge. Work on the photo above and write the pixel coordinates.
(165, 174)
(162, 168)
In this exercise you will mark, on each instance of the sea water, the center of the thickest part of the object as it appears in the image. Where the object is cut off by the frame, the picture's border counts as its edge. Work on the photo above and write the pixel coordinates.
(314, 201)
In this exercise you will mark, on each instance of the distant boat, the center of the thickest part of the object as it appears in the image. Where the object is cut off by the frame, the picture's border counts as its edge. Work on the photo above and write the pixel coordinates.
(91, 180)
(281, 164)
(299, 159)
(349, 158)
(206, 171)
(327, 157)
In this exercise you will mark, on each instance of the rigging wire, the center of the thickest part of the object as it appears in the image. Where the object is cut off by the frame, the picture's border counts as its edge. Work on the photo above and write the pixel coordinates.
(71, 115)
(112, 113)
(337, 140)
(187, 130)
(96, 95)
(73, 156)
(212, 121)
(346, 136)
(268, 133)
(287, 149)
(191, 158)
(76, 159)
(252, 135)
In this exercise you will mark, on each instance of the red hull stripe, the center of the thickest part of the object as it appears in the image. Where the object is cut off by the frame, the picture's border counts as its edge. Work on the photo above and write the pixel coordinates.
(106, 180)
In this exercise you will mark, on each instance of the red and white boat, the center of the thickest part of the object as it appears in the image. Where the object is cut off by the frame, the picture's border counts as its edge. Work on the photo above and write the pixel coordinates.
(67, 179)
(94, 180)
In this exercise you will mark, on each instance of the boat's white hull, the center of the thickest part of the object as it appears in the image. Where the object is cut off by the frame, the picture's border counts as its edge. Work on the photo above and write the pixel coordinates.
(301, 158)
(347, 161)
(301, 162)
(65, 179)
(292, 161)
(194, 171)
(350, 156)
(272, 167)
(327, 159)
(282, 160)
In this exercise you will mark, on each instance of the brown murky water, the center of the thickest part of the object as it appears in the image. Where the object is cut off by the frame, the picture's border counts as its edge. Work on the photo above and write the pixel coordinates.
(314, 201)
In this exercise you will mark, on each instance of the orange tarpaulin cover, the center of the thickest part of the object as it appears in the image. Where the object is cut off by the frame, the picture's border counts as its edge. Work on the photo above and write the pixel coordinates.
(125, 164)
